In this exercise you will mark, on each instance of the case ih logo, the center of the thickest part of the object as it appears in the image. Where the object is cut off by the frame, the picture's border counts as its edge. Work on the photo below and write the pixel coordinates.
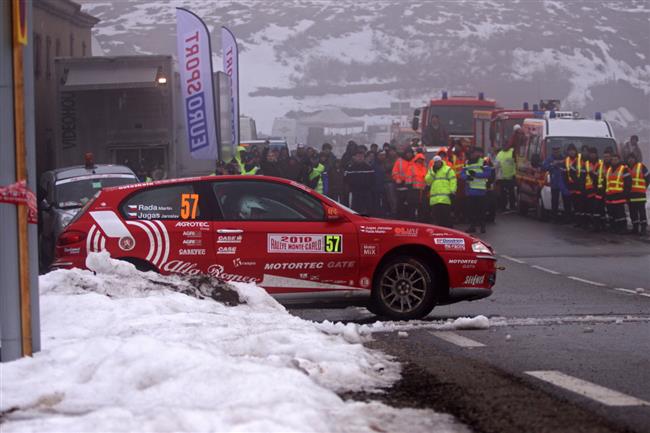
(229, 239)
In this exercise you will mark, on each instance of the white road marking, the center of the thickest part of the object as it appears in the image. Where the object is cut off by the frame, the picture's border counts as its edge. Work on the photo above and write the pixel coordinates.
(541, 268)
(458, 340)
(590, 390)
(625, 290)
(647, 295)
(513, 259)
(582, 280)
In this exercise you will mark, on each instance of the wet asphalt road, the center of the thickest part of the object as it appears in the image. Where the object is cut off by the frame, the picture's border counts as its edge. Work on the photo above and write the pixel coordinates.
(571, 306)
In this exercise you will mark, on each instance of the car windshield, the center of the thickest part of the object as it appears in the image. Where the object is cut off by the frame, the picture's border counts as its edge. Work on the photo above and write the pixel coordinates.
(456, 119)
(599, 143)
(75, 192)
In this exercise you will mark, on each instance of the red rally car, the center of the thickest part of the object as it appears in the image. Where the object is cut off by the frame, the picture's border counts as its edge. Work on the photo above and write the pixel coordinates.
(299, 245)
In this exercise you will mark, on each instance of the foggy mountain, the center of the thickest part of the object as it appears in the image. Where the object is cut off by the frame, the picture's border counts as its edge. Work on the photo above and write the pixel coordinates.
(306, 55)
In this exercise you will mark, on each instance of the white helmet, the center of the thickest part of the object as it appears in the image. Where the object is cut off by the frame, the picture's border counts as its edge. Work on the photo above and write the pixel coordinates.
(516, 127)
(247, 206)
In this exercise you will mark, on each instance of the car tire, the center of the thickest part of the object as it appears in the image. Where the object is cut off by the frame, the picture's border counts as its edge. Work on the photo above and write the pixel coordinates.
(140, 265)
(404, 288)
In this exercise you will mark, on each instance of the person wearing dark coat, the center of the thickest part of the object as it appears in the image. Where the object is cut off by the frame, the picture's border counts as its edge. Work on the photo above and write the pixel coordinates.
(270, 165)
(335, 182)
(359, 178)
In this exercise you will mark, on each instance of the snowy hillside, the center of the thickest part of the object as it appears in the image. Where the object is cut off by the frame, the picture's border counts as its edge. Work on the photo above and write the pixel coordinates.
(303, 55)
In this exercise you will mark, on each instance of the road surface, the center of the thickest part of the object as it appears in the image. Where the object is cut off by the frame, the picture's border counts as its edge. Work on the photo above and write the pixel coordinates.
(568, 348)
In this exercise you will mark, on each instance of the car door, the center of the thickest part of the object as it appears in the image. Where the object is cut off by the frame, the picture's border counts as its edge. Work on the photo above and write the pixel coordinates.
(276, 234)
(170, 225)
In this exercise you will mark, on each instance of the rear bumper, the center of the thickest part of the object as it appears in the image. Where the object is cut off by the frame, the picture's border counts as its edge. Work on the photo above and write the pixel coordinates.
(458, 294)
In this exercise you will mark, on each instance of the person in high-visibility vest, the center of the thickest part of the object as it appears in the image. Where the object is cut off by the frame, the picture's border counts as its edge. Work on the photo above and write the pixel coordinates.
(476, 174)
(618, 183)
(637, 198)
(250, 166)
(239, 157)
(505, 174)
(403, 177)
(419, 168)
(315, 177)
(441, 194)
(594, 181)
(575, 178)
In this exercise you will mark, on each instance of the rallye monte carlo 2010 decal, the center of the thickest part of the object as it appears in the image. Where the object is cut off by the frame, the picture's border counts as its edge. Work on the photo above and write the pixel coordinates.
(193, 247)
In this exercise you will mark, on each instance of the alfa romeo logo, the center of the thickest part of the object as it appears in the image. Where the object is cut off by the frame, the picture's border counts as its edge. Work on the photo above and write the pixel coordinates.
(126, 243)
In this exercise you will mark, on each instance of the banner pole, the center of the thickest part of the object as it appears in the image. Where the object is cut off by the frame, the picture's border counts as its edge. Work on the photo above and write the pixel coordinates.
(21, 174)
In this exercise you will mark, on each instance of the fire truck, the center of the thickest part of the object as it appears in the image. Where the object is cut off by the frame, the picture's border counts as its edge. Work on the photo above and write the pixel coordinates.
(455, 114)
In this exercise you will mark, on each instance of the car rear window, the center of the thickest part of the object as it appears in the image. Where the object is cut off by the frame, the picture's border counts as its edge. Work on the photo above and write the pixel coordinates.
(180, 201)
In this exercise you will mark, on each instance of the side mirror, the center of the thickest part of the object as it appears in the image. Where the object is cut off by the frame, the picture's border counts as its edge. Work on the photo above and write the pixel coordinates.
(415, 124)
(332, 214)
(536, 160)
(45, 205)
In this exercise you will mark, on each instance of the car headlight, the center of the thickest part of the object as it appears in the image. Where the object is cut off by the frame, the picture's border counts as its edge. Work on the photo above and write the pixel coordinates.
(66, 217)
(480, 247)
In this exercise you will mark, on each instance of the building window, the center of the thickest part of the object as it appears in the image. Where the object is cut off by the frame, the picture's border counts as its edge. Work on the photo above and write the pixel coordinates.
(71, 45)
(57, 48)
(48, 57)
(37, 55)
(83, 49)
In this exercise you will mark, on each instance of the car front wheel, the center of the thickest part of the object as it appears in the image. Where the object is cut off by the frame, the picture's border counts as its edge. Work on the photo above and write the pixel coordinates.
(404, 289)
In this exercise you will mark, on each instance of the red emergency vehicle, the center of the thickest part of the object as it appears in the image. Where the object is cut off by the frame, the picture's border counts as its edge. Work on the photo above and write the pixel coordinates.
(297, 244)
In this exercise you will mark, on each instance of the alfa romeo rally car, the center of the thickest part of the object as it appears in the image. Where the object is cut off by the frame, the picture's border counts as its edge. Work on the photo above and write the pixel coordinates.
(297, 244)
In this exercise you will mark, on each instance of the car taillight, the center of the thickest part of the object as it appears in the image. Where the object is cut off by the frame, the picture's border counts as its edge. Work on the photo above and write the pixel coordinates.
(70, 237)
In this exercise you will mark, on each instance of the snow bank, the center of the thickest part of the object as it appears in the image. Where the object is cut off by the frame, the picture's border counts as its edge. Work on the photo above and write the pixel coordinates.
(122, 351)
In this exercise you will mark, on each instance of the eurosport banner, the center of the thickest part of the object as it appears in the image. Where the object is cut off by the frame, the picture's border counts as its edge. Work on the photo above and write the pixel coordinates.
(230, 55)
(195, 66)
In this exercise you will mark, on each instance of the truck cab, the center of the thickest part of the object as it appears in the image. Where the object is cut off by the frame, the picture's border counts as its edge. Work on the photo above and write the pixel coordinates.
(541, 134)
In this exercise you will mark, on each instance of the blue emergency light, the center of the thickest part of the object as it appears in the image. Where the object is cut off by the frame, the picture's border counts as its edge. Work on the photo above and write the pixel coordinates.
(481, 96)
(599, 115)
(444, 94)
(525, 106)
(552, 114)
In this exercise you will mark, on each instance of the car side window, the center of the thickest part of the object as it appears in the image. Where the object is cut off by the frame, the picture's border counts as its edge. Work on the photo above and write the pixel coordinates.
(163, 203)
(266, 201)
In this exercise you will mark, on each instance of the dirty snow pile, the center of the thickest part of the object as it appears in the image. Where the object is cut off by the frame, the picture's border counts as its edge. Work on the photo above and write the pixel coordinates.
(122, 351)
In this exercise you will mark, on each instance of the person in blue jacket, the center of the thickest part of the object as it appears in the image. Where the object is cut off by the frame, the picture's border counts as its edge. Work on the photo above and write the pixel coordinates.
(555, 166)
(476, 174)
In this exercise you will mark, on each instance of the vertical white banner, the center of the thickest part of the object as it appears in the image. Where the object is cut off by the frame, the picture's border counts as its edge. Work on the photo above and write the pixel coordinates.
(195, 67)
(230, 55)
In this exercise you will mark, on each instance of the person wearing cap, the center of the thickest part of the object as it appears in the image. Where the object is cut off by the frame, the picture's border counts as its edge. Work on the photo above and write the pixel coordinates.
(441, 193)
(402, 175)
(419, 168)
(476, 173)
(618, 185)
(575, 180)
(506, 167)
(554, 164)
(637, 195)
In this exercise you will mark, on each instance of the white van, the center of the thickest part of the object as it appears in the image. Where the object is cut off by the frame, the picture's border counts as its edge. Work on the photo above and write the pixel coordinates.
(534, 191)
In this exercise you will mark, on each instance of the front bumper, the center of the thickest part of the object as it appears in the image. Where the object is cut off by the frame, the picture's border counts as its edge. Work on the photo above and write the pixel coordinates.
(458, 294)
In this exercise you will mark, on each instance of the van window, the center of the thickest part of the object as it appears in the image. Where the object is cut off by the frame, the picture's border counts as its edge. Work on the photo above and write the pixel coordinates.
(600, 143)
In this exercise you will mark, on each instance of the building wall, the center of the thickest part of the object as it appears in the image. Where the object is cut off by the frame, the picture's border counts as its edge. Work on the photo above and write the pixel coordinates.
(60, 30)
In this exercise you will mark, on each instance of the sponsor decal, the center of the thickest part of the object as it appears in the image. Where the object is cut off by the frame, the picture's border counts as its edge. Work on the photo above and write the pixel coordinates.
(219, 272)
(369, 249)
(239, 262)
(463, 261)
(181, 267)
(72, 251)
(375, 230)
(406, 231)
(474, 280)
(226, 250)
(450, 243)
(304, 243)
(193, 242)
(148, 208)
(300, 266)
(435, 233)
(126, 243)
(149, 211)
(364, 282)
(191, 251)
(203, 225)
(192, 234)
(159, 244)
(229, 239)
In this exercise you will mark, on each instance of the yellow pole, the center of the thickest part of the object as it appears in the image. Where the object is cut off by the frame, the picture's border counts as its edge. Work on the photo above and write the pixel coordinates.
(21, 173)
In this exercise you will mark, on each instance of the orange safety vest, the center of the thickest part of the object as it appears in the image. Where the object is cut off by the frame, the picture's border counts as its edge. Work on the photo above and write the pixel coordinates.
(638, 183)
(568, 162)
(614, 186)
(596, 167)
(457, 163)
(402, 171)
(419, 172)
